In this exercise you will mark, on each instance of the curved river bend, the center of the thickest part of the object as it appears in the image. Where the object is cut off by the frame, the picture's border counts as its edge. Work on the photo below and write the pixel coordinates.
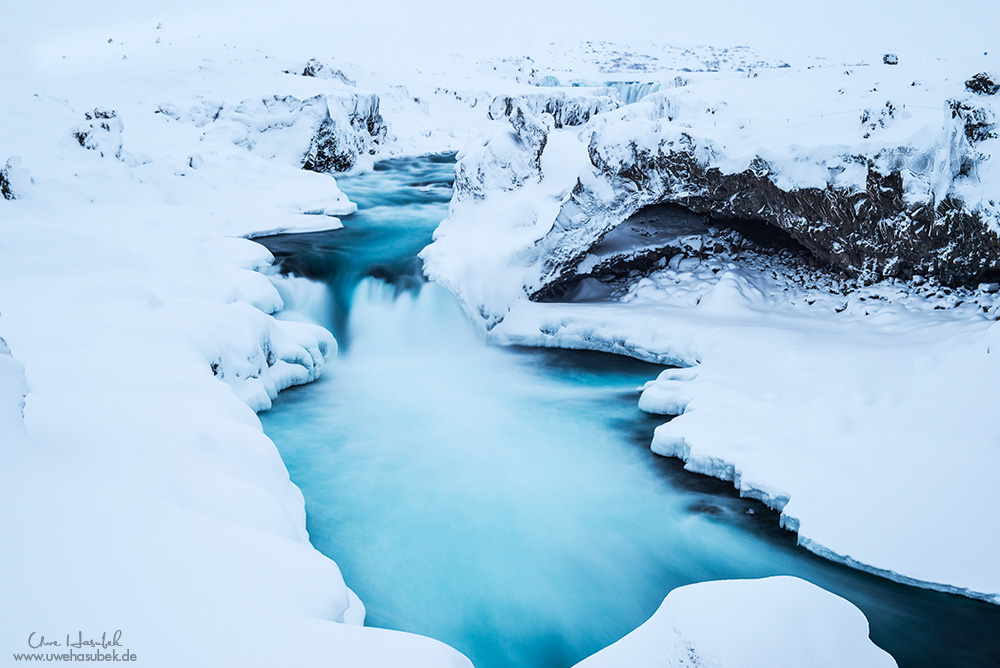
(505, 501)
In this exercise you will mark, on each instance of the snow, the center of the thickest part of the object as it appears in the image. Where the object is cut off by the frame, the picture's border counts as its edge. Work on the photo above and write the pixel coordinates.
(750, 623)
(139, 489)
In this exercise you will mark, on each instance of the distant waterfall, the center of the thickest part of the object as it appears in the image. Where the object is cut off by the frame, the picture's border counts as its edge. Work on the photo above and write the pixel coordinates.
(633, 91)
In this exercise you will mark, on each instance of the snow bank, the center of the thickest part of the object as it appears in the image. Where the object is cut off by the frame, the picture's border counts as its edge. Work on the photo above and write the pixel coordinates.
(780, 621)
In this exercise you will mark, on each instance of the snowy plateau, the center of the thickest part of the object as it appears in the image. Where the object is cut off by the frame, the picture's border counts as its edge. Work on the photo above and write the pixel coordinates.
(797, 206)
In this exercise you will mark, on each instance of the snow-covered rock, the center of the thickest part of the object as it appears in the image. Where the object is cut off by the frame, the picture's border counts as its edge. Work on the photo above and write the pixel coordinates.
(508, 159)
(905, 193)
(780, 621)
(316, 68)
(984, 83)
(101, 133)
(14, 179)
(340, 130)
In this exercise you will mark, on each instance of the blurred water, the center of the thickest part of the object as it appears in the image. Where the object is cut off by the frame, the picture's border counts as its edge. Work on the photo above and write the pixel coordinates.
(505, 501)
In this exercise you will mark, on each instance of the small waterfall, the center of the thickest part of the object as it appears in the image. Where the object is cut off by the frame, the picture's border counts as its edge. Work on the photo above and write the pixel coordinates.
(389, 320)
(631, 92)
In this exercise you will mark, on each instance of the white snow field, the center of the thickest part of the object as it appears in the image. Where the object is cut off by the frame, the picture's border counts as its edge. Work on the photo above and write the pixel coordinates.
(140, 146)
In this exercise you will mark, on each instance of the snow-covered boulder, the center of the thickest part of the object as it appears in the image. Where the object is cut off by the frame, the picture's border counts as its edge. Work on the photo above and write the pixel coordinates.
(508, 159)
(315, 68)
(257, 355)
(779, 621)
(341, 138)
(340, 129)
(102, 132)
(13, 179)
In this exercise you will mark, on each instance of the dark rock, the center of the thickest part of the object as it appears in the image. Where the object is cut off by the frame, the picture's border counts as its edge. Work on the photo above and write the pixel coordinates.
(983, 84)
(871, 233)
(890, 59)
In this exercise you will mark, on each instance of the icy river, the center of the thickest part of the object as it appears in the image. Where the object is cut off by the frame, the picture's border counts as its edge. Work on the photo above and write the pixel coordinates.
(505, 501)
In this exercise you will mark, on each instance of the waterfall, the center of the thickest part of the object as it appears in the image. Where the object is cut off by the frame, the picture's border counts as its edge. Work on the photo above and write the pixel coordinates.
(633, 91)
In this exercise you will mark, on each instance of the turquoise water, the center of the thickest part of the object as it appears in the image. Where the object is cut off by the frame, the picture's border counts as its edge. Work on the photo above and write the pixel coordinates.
(505, 501)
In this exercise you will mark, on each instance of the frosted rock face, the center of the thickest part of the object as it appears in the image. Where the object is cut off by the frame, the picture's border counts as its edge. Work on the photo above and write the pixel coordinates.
(348, 131)
(903, 218)
(873, 210)
(508, 160)
(565, 110)
(780, 621)
(324, 133)
(343, 129)
(102, 132)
